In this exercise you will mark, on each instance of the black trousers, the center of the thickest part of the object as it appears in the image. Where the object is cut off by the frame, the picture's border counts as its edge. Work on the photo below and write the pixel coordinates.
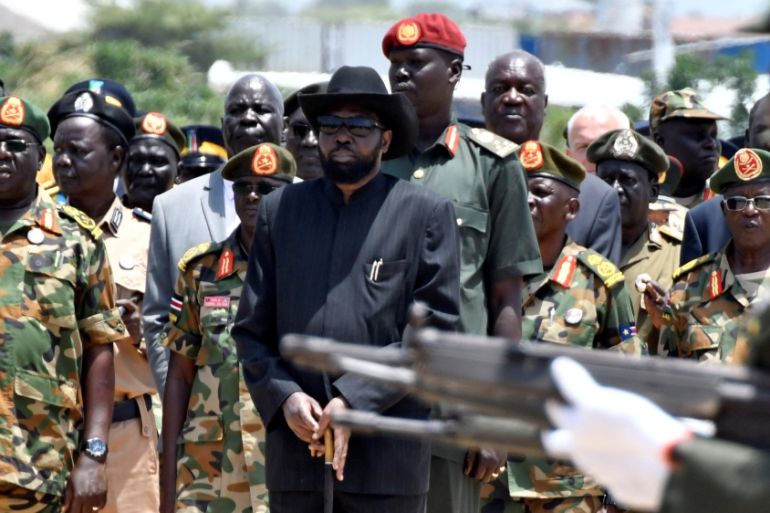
(313, 502)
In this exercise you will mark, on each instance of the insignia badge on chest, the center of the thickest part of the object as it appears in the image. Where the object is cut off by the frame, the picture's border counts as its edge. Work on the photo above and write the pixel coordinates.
(747, 164)
(216, 302)
(12, 112)
(625, 146)
(715, 284)
(154, 123)
(408, 33)
(573, 316)
(127, 262)
(35, 236)
(265, 161)
(226, 263)
(116, 220)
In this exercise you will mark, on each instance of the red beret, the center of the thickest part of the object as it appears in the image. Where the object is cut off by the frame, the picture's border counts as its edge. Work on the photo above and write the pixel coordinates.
(425, 30)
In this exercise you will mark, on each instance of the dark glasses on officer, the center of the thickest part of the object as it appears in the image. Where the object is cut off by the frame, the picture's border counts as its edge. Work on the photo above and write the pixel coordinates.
(738, 203)
(16, 145)
(261, 188)
(300, 129)
(358, 126)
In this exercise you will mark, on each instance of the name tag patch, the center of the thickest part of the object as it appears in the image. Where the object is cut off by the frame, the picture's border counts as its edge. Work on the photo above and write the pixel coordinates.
(216, 302)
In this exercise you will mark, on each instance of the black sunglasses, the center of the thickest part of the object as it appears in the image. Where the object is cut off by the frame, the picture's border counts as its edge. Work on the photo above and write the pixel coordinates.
(738, 203)
(261, 188)
(358, 126)
(300, 129)
(16, 145)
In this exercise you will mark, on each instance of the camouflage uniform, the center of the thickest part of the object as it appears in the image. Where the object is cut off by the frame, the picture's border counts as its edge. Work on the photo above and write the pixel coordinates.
(221, 448)
(57, 298)
(582, 301)
(707, 306)
(656, 254)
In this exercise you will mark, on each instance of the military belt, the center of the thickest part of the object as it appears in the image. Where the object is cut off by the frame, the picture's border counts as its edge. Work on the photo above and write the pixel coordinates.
(129, 409)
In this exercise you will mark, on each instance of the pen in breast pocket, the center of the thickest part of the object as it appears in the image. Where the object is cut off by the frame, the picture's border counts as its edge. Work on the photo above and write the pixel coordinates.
(374, 274)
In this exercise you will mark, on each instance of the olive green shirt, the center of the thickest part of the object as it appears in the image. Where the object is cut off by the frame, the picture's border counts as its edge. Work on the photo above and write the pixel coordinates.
(480, 173)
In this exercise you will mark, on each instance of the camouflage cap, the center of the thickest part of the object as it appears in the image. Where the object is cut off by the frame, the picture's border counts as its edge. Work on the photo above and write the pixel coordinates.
(540, 159)
(747, 165)
(629, 145)
(263, 160)
(156, 125)
(684, 103)
(16, 112)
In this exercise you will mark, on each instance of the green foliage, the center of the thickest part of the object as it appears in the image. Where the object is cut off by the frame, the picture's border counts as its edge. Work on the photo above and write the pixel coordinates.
(159, 79)
(555, 123)
(199, 32)
(332, 11)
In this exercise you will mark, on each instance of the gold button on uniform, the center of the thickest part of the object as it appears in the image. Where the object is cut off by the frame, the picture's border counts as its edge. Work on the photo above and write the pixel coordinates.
(418, 174)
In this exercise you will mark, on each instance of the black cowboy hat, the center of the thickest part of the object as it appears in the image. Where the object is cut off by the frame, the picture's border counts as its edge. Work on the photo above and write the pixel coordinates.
(362, 86)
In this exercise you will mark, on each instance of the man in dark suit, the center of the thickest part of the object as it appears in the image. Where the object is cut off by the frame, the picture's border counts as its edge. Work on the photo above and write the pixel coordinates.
(202, 210)
(514, 103)
(705, 228)
(344, 256)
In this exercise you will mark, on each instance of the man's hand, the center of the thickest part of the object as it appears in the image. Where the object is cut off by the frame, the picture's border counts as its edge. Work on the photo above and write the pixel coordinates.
(484, 465)
(341, 436)
(86, 489)
(302, 413)
(655, 297)
(132, 318)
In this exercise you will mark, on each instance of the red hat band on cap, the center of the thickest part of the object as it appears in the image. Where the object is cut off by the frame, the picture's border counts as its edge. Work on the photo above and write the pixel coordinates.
(429, 30)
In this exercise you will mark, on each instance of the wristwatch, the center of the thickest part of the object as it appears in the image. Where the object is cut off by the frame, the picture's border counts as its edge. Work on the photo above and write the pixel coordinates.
(96, 449)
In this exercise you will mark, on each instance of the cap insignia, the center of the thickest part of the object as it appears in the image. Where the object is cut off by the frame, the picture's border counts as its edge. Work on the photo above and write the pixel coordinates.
(154, 123)
(408, 33)
(531, 156)
(12, 112)
(265, 161)
(84, 103)
(747, 164)
(625, 146)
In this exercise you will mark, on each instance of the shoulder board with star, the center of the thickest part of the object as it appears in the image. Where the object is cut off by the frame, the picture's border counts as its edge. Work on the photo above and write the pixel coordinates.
(195, 252)
(671, 232)
(82, 219)
(694, 264)
(500, 146)
(610, 275)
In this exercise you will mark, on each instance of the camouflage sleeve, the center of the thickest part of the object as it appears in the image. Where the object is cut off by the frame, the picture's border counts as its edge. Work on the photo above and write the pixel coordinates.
(183, 335)
(98, 318)
(675, 330)
(618, 325)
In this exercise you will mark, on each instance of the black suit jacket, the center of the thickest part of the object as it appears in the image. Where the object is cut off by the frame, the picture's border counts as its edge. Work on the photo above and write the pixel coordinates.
(705, 230)
(350, 271)
(597, 225)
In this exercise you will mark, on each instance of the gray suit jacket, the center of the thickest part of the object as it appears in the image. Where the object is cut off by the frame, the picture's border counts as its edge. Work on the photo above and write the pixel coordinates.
(597, 225)
(183, 217)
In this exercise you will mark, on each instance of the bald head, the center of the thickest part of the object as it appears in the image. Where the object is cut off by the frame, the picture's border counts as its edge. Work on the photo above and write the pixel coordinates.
(514, 98)
(587, 124)
(253, 114)
(758, 132)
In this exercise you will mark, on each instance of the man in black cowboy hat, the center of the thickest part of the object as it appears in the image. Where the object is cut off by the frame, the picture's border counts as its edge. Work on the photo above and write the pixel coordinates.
(350, 253)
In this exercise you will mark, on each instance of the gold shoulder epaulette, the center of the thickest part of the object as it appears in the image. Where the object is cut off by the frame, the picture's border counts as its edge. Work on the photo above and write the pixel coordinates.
(82, 219)
(606, 270)
(671, 232)
(193, 253)
(693, 264)
(500, 146)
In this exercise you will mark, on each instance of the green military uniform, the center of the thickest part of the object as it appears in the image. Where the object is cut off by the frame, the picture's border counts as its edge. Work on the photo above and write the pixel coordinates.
(480, 173)
(57, 299)
(707, 306)
(220, 455)
(655, 253)
(581, 301)
(708, 300)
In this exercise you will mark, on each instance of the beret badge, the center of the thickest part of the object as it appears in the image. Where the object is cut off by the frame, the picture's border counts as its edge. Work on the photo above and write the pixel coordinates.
(12, 112)
(626, 146)
(531, 156)
(748, 165)
(408, 33)
(265, 161)
(154, 123)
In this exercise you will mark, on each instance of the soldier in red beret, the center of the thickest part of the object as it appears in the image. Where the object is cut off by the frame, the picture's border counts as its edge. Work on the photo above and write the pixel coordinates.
(480, 173)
